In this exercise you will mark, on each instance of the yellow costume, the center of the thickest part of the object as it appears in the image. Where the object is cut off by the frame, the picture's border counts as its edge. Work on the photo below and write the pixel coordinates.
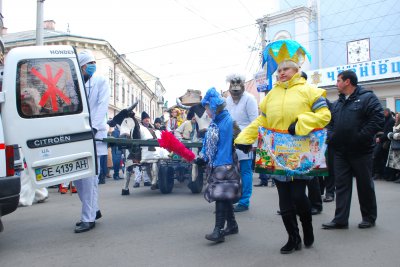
(284, 104)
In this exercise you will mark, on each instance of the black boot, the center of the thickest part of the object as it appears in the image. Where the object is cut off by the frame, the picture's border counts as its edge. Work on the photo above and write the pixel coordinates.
(217, 234)
(231, 224)
(306, 223)
(294, 241)
(102, 179)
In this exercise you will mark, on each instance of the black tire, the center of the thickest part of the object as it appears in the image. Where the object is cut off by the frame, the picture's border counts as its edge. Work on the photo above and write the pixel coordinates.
(197, 186)
(166, 179)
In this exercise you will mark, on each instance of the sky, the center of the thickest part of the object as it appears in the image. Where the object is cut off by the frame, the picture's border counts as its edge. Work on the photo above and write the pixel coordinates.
(187, 44)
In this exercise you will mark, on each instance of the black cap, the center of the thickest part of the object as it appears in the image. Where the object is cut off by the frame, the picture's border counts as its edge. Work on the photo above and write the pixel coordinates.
(157, 120)
(145, 115)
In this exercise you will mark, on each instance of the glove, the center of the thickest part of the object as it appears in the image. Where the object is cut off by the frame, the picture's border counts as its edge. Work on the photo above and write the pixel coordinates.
(292, 128)
(200, 161)
(94, 131)
(390, 136)
(245, 148)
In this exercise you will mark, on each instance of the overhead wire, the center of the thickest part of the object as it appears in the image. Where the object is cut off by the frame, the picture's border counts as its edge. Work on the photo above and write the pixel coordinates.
(255, 24)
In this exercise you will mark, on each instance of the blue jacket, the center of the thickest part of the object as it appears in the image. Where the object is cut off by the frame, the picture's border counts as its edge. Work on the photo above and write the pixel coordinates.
(223, 155)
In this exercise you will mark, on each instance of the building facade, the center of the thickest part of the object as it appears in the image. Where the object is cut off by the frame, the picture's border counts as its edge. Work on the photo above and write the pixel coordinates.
(128, 83)
(358, 35)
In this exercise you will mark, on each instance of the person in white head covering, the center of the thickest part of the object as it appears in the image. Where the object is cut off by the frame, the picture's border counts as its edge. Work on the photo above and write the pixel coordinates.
(242, 106)
(98, 95)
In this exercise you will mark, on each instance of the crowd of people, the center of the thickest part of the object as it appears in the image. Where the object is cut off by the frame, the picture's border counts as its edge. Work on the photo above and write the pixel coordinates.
(363, 141)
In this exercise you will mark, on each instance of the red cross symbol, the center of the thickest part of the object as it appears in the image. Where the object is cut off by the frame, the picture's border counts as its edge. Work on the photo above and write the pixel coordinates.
(52, 89)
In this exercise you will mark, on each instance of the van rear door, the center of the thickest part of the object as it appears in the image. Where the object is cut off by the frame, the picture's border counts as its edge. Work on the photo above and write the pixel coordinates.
(46, 113)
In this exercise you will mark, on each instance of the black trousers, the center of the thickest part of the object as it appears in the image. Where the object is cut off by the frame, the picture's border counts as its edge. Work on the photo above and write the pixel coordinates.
(330, 179)
(314, 193)
(347, 166)
(380, 157)
(292, 197)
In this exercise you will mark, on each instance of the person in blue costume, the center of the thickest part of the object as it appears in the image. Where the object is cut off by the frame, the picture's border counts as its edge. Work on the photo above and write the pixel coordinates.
(218, 153)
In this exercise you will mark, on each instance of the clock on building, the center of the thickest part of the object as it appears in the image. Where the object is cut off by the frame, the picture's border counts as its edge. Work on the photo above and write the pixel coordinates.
(358, 51)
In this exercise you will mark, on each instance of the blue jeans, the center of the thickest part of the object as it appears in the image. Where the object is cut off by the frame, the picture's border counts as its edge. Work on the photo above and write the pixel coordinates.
(116, 156)
(264, 178)
(247, 181)
(103, 165)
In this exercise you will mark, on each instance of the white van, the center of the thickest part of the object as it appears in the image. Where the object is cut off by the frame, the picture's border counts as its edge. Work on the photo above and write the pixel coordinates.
(43, 110)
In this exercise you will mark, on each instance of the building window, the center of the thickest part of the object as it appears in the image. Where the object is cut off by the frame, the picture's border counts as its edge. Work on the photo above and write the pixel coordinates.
(116, 87)
(132, 94)
(111, 81)
(282, 35)
(123, 91)
(383, 103)
(397, 107)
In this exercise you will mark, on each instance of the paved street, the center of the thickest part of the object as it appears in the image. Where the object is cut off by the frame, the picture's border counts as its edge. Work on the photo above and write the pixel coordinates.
(147, 228)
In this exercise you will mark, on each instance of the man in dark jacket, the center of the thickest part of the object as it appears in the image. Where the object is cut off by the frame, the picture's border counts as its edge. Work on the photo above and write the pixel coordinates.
(381, 150)
(356, 117)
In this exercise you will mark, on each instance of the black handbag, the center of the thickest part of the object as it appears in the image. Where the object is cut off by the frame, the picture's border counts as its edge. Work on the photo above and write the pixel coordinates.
(395, 145)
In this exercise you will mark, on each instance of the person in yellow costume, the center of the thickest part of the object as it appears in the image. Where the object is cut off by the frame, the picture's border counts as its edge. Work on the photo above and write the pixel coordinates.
(175, 120)
(298, 108)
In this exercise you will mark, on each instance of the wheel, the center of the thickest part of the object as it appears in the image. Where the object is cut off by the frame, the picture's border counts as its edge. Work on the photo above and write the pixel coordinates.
(197, 186)
(166, 179)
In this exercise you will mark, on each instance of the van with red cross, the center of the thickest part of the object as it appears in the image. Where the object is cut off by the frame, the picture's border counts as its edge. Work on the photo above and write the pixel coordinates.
(44, 112)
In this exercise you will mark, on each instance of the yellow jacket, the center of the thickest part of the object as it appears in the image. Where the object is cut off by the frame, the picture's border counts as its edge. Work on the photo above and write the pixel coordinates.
(284, 104)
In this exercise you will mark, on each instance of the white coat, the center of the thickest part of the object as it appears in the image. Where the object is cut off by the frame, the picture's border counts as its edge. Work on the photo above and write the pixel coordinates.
(243, 112)
(98, 94)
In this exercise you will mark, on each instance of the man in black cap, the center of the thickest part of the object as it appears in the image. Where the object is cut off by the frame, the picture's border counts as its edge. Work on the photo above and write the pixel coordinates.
(157, 124)
(146, 120)
(138, 173)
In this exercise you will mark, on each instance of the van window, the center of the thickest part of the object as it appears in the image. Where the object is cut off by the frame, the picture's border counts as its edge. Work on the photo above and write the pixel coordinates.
(47, 87)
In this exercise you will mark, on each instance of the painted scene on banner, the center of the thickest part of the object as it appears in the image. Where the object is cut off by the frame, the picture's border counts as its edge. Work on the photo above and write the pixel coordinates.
(281, 153)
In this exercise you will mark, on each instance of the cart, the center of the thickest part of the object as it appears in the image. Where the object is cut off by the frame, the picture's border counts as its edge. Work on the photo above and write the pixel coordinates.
(171, 169)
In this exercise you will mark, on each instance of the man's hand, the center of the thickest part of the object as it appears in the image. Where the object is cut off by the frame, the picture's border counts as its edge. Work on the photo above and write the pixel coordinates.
(292, 128)
(245, 148)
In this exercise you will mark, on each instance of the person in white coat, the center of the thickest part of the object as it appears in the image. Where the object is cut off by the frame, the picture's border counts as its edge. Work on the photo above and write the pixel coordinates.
(242, 106)
(98, 95)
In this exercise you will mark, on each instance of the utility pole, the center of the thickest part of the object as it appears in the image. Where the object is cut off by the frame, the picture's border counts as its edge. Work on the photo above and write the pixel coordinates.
(39, 22)
(263, 28)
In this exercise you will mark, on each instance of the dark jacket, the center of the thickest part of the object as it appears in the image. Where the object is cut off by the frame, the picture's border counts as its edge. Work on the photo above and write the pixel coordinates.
(387, 128)
(355, 121)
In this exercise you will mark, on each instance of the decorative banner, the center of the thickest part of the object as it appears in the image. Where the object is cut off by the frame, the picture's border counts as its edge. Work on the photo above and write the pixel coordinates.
(284, 154)
(261, 81)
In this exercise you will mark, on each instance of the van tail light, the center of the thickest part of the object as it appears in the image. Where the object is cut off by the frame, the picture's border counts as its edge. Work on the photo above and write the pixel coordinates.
(10, 160)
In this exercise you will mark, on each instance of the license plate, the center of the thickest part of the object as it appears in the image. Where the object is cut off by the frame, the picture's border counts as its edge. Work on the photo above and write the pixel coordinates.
(61, 169)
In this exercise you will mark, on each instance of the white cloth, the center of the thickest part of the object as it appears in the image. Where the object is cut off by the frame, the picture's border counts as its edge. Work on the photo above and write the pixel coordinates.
(88, 194)
(138, 174)
(98, 94)
(243, 112)
(29, 194)
(85, 57)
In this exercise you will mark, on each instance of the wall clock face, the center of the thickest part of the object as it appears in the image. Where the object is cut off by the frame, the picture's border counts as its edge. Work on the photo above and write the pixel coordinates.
(358, 51)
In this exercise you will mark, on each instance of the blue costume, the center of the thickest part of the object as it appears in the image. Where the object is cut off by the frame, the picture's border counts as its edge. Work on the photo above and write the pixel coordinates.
(222, 173)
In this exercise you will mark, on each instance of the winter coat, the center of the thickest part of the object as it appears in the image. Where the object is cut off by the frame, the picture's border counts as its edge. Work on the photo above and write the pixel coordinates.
(224, 181)
(355, 121)
(243, 112)
(394, 155)
(384, 141)
(98, 94)
(287, 102)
